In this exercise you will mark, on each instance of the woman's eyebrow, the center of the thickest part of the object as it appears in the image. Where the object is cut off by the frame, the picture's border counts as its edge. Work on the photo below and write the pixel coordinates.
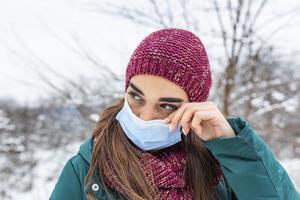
(136, 88)
(163, 99)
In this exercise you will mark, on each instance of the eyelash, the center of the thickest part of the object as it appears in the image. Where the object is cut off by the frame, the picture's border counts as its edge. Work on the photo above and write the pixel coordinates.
(133, 94)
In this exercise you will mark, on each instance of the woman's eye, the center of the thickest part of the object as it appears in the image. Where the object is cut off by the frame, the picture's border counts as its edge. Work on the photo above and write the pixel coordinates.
(169, 107)
(135, 96)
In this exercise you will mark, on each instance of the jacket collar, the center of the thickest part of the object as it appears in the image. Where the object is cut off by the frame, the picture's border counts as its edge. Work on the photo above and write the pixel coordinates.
(85, 149)
(95, 186)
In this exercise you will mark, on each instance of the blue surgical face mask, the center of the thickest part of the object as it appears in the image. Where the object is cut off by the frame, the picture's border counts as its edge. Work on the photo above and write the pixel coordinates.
(147, 135)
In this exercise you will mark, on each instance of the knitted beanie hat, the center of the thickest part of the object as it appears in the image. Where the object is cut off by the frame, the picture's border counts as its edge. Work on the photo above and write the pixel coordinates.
(177, 55)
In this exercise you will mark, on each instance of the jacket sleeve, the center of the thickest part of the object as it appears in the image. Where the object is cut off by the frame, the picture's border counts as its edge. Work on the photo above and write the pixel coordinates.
(249, 166)
(68, 185)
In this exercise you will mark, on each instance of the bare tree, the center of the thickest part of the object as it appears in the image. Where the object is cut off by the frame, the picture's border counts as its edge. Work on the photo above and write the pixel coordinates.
(236, 26)
(252, 70)
(249, 64)
(80, 92)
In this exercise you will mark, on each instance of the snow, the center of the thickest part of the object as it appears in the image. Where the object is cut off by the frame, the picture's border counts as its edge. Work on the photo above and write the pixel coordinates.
(278, 95)
(293, 168)
(94, 117)
(291, 104)
(5, 122)
(47, 172)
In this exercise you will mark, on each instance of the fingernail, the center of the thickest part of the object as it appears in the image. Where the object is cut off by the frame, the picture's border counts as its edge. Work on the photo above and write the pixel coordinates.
(166, 120)
(183, 132)
(171, 127)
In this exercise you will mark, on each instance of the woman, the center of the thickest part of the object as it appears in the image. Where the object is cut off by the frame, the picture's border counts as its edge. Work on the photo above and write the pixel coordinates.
(164, 140)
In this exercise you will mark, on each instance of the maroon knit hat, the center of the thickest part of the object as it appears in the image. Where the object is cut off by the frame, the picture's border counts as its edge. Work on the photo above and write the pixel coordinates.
(177, 55)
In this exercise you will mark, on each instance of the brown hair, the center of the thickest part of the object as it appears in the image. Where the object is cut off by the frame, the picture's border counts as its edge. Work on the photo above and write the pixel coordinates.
(200, 171)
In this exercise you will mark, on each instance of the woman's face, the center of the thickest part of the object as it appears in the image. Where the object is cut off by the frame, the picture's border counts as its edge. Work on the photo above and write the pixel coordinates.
(153, 97)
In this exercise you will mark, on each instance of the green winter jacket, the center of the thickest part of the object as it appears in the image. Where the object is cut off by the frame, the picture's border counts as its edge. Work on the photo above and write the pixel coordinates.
(251, 172)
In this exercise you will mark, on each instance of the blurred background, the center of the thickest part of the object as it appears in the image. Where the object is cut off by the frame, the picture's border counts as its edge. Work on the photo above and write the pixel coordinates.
(62, 62)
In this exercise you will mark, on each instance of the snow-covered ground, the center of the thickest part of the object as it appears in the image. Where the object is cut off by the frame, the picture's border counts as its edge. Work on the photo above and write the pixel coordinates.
(51, 163)
(47, 171)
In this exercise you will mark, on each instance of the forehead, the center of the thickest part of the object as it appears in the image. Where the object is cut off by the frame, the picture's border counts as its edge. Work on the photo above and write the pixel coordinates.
(156, 86)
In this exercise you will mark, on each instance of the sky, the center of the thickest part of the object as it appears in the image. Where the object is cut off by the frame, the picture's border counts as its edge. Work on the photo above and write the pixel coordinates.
(33, 23)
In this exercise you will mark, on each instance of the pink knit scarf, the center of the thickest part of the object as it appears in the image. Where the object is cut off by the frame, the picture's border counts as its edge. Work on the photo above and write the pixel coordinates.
(165, 170)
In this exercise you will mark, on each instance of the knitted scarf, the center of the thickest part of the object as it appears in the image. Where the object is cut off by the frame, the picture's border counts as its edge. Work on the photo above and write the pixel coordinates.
(164, 170)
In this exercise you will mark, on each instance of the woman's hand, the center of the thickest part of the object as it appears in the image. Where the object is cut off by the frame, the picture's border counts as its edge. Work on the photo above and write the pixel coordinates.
(204, 118)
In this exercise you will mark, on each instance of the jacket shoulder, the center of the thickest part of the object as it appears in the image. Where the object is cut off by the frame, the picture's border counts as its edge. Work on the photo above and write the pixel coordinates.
(249, 165)
(80, 166)
(70, 183)
(71, 180)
